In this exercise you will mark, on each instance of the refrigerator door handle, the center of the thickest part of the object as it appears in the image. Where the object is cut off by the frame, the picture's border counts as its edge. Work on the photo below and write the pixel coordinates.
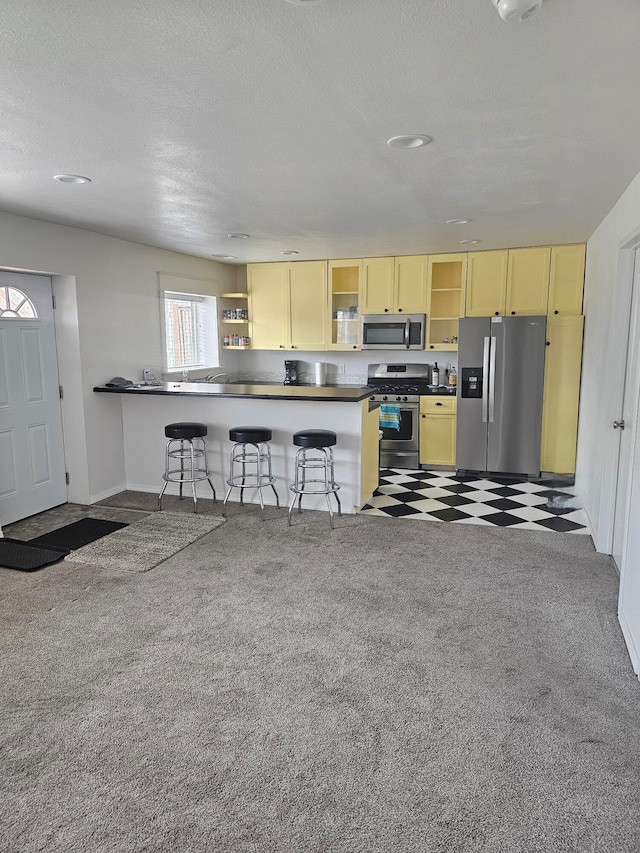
(485, 379)
(407, 337)
(492, 380)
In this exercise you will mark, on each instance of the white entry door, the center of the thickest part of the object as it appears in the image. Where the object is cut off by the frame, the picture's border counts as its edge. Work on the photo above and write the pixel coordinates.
(625, 424)
(32, 467)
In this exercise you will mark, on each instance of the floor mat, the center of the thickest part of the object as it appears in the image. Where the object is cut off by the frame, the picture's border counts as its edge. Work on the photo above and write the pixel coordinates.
(78, 534)
(26, 557)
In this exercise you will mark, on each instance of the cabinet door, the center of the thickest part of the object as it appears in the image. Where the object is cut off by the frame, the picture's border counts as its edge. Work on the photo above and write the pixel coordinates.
(437, 440)
(267, 284)
(411, 284)
(369, 452)
(528, 280)
(561, 394)
(567, 279)
(307, 305)
(377, 285)
(486, 283)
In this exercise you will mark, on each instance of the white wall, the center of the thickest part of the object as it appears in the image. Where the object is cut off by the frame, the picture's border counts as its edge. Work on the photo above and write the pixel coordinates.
(606, 317)
(107, 324)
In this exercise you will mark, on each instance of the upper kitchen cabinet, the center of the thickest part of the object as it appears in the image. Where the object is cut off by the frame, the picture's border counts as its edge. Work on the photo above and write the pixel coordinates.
(446, 277)
(394, 285)
(567, 279)
(288, 305)
(486, 293)
(378, 295)
(266, 286)
(410, 284)
(528, 281)
(344, 303)
(308, 305)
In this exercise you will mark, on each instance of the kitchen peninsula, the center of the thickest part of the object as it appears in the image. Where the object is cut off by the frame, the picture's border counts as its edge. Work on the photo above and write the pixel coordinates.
(283, 409)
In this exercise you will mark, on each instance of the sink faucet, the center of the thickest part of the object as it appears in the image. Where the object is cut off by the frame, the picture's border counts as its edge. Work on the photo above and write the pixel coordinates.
(211, 377)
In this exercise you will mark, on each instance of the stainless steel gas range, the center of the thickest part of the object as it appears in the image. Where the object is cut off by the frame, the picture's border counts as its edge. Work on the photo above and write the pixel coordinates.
(401, 384)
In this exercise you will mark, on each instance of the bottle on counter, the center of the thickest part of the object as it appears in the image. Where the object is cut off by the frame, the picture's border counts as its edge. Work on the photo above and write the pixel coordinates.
(453, 378)
(435, 375)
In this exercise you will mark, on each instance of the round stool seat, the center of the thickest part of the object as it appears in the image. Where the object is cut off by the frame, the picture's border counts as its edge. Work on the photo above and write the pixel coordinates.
(185, 430)
(314, 438)
(249, 435)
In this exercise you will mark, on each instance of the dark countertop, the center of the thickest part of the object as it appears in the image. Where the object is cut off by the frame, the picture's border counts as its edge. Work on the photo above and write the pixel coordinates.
(263, 391)
(328, 393)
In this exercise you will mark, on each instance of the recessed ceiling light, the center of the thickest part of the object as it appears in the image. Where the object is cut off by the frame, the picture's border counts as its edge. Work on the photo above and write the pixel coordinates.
(239, 236)
(225, 257)
(72, 179)
(469, 241)
(290, 252)
(458, 221)
(304, 2)
(410, 140)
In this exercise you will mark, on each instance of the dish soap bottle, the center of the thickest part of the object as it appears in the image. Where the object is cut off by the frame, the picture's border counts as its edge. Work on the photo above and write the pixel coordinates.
(435, 375)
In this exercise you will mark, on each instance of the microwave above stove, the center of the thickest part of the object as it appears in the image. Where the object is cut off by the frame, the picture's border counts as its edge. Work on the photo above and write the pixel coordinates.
(393, 331)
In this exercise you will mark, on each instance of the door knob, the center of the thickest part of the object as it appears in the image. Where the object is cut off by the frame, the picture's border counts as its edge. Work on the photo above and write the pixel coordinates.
(618, 424)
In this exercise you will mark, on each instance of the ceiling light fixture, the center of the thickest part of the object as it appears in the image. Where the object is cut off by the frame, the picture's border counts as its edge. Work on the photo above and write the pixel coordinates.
(469, 241)
(72, 179)
(516, 10)
(409, 140)
(458, 221)
(290, 252)
(225, 257)
(239, 236)
(304, 2)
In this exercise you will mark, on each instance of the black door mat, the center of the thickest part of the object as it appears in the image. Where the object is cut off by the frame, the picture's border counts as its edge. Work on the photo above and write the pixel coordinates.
(26, 557)
(79, 533)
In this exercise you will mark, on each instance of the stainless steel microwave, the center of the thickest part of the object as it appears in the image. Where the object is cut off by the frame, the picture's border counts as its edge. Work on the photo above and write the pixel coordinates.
(393, 331)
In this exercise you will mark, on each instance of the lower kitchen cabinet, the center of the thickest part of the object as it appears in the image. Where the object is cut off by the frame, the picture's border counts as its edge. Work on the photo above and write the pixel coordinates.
(369, 452)
(438, 431)
(561, 394)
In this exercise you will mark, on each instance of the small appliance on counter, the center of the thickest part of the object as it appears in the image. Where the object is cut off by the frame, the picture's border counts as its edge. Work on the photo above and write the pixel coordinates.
(291, 372)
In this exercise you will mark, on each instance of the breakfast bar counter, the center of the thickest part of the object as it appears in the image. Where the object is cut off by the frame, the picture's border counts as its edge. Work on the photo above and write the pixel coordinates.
(285, 409)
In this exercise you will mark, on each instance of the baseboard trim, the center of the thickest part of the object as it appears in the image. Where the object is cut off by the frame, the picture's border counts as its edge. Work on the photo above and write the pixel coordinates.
(631, 646)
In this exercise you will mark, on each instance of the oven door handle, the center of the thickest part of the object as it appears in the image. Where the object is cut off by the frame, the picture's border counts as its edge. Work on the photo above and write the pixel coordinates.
(407, 336)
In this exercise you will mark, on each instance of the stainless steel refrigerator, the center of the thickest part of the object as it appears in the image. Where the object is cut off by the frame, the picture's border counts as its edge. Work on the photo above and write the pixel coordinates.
(500, 380)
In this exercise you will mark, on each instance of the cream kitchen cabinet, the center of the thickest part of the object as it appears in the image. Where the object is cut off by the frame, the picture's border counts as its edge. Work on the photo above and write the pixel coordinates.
(287, 305)
(566, 283)
(527, 290)
(508, 281)
(447, 278)
(344, 305)
(394, 285)
(438, 431)
(561, 394)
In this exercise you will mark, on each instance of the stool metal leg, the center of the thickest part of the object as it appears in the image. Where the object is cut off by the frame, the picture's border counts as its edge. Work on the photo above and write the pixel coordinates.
(183, 474)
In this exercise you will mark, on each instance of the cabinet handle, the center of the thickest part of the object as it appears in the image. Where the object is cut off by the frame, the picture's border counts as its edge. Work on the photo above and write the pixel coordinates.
(513, 312)
(438, 404)
(548, 343)
(430, 346)
(423, 416)
(497, 313)
(386, 310)
(556, 312)
(281, 346)
(355, 346)
(399, 310)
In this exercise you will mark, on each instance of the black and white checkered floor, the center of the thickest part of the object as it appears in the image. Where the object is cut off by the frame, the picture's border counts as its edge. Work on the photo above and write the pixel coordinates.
(446, 496)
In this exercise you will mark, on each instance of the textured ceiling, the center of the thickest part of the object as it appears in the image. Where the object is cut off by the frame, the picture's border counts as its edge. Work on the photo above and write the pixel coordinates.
(199, 119)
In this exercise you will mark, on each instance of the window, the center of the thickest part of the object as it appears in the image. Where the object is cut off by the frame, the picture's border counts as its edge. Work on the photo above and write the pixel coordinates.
(190, 331)
(15, 303)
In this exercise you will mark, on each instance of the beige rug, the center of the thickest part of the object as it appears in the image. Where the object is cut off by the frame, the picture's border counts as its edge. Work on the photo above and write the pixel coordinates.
(145, 543)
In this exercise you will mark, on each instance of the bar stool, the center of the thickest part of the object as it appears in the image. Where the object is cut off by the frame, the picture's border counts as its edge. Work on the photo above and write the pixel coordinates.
(250, 465)
(188, 447)
(322, 441)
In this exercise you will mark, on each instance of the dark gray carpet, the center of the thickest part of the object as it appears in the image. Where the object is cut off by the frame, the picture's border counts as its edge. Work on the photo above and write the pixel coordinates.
(388, 686)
